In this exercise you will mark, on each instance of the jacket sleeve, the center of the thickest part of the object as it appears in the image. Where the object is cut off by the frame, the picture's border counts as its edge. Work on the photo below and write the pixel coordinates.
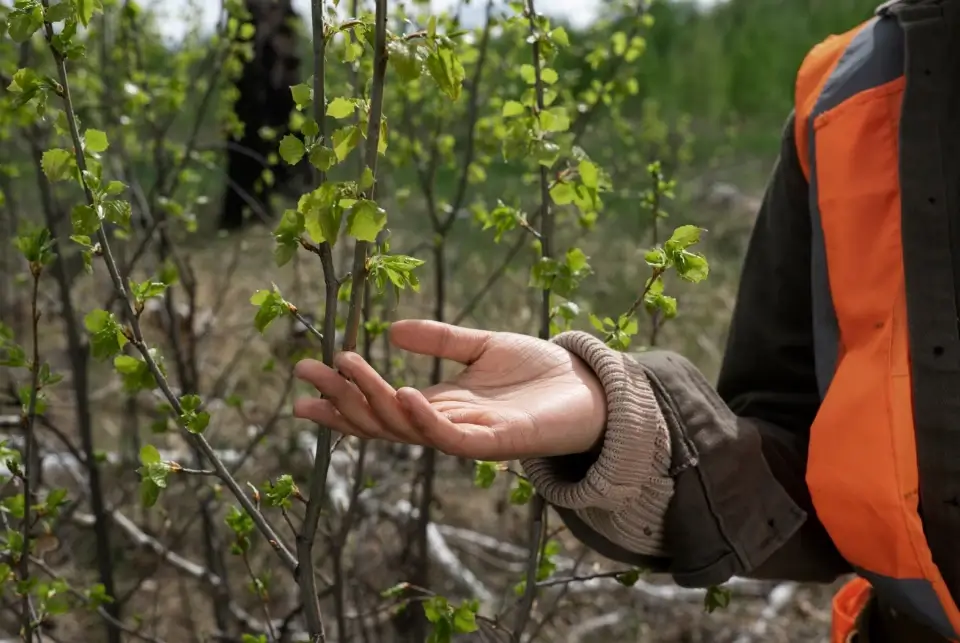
(708, 483)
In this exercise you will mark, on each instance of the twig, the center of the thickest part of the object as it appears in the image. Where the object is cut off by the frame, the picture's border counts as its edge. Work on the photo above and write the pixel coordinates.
(359, 270)
(306, 575)
(537, 504)
(31, 459)
(258, 588)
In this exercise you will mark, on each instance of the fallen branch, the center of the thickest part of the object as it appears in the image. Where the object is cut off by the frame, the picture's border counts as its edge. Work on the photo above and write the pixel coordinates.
(440, 539)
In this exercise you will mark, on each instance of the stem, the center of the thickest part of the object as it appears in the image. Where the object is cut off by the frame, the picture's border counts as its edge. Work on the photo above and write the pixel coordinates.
(271, 631)
(30, 461)
(137, 335)
(306, 572)
(359, 270)
(537, 505)
(655, 319)
(656, 274)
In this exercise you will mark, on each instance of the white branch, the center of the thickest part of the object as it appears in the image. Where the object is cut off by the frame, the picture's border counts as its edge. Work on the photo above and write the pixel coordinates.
(586, 630)
(779, 597)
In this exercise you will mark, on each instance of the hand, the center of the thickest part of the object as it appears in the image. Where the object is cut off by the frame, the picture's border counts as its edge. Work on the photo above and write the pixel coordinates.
(518, 396)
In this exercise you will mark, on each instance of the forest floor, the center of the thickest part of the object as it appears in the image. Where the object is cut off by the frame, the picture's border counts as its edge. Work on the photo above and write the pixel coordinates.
(484, 534)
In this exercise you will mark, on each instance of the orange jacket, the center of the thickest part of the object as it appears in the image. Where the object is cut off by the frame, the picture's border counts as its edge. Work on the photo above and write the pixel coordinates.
(863, 471)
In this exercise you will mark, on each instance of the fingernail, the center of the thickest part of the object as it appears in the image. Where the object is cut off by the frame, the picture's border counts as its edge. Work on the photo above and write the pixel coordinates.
(403, 396)
(297, 406)
(303, 365)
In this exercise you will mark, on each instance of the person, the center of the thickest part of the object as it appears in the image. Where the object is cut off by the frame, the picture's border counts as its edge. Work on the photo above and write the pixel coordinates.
(831, 442)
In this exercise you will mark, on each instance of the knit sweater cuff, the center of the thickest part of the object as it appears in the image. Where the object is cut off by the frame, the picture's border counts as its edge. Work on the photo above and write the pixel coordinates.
(625, 492)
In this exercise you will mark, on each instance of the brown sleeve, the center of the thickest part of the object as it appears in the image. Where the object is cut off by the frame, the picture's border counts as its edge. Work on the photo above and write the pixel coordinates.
(739, 503)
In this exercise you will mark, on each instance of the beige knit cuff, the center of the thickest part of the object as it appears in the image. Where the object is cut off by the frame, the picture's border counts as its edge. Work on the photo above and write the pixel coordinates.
(625, 492)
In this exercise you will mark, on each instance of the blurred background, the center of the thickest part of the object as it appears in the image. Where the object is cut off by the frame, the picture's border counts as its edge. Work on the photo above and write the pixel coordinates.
(680, 104)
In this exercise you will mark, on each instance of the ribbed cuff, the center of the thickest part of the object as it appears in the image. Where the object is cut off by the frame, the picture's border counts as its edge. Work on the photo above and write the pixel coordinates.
(625, 492)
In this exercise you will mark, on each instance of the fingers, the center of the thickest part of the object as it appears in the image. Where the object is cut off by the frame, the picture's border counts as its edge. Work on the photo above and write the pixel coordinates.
(368, 407)
(381, 397)
(323, 412)
(437, 430)
(345, 402)
(464, 345)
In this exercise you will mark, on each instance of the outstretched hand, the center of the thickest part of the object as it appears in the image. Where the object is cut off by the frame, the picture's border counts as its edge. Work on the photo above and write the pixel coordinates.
(518, 396)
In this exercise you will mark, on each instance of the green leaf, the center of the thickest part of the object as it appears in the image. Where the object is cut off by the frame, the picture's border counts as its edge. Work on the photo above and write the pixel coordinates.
(716, 598)
(345, 139)
(692, 267)
(106, 334)
(24, 21)
(149, 455)
(589, 174)
(86, 10)
(549, 76)
(322, 158)
(446, 70)
(628, 578)
(485, 473)
(58, 164)
(194, 420)
(366, 220)
(404, 58)
(528, 74)
(367, 179)
(395, 271)
(291, 149)
(322, 213)
(513, 108)
(341, 108)
(118, 212)
(95, 141)
(149, 492)
(560, 37)
(35, 243)
(287, 236)
(271, 305)
(126, 364)
(435, 608)
(562, 193)
(309, 127)
(554, 119)
(522, 492)
(144, 290)
(114, 188)
(656, 258)
(302, 95)
(684, 237)
(465, 618)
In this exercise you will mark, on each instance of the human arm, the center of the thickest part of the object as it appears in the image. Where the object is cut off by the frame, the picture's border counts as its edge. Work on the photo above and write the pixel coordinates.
(738, 503)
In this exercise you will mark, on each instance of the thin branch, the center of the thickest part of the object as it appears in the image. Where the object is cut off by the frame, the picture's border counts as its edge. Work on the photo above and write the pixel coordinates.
(359, 270)
(537, 504)
(31, 460)
(473, 115)
(306, 575)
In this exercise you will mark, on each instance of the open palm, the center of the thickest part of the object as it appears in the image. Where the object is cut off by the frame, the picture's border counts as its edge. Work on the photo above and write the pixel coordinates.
(517, 397)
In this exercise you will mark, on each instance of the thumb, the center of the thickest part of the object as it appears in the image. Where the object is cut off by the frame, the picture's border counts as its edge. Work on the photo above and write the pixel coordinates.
(426, 337)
